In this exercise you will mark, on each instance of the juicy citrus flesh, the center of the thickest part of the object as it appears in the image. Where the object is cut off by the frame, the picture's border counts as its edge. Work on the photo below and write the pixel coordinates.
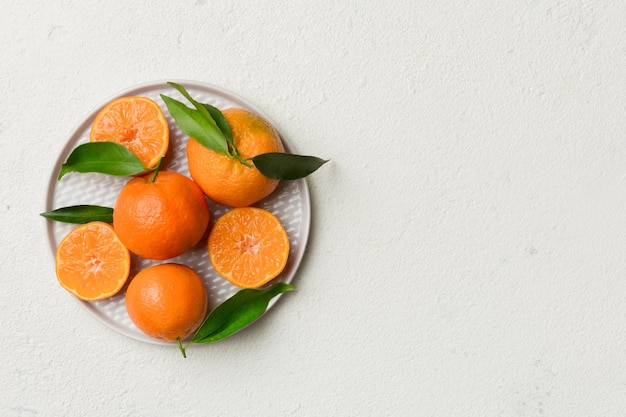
(226, 180)
(136, 122)
(167, 301)
(161, 219)
(91, 262)
(248, 246)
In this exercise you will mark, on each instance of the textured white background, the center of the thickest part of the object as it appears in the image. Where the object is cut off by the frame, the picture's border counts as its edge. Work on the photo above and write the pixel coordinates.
(466, 256)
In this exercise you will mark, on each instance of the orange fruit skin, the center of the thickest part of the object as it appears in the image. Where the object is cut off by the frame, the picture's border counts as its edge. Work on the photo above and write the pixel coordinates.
(136, 122)
(226, 180)
(162, 219)
(167, 301)
(91, 262)
(248, 246)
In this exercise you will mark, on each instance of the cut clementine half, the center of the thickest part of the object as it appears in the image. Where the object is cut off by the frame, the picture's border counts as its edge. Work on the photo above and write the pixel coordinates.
(136, 122)
(248, 246)
(91, 262)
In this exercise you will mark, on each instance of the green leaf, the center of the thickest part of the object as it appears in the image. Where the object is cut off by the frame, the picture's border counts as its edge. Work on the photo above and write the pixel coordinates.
(80, 214)
(199, 106)
(237, 312)
(221, 122)
(213, 115)
(286, 166)
(103, 157)
(195, 124)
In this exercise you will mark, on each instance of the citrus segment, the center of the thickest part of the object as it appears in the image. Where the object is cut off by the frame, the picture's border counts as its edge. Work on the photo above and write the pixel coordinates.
(226, 180)
(91, 262)
(136, 122)
(160, 219)
(167, 301)
(248, 246)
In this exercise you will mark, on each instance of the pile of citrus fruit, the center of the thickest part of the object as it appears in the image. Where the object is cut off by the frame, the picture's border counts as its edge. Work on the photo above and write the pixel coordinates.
(160, 214)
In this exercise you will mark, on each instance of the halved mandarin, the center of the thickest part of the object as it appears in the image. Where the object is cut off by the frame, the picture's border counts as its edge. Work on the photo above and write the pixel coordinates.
(248, 246)
(91, 262)
(136, 122)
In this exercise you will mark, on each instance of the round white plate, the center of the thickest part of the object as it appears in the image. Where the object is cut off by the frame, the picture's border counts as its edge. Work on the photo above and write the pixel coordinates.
(290, 203)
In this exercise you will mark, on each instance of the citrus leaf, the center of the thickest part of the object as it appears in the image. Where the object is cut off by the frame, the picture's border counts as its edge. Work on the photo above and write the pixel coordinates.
(80, 214)
(213, 114)
(195, 124)
(237, 312)
(221, 122)
(286, 166)
(103, 157)
(199, 106)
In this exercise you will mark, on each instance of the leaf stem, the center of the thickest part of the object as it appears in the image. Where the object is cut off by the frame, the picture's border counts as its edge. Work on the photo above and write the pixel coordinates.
(244, 161)
(155, 171)
(181, 348)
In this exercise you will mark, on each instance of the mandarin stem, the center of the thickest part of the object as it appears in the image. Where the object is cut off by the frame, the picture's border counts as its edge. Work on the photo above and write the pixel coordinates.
(245, 161)
(181, 348)
(155, 171)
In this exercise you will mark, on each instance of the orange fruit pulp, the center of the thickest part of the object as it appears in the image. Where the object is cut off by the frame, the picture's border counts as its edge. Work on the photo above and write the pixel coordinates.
(226, 180)
(160, 219)
(136, 122)
(167, 301)
(91, 262)
(248, 246)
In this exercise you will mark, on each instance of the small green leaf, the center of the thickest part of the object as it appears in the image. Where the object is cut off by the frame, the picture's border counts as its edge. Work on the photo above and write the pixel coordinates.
(286, 166)
(199, 106)
(212, 114)
(103, 157)
(195, 124)
(237, 312)
(80, 214)
(221, 122)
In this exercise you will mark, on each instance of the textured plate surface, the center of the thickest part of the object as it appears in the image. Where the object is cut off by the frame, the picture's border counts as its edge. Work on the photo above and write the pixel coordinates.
(290, 203)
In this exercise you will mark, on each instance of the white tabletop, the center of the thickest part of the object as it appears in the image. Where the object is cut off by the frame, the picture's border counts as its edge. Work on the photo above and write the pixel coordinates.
(466, 254)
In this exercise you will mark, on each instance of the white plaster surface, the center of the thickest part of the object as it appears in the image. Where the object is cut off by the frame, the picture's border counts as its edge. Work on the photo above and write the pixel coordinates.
(467, 250)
